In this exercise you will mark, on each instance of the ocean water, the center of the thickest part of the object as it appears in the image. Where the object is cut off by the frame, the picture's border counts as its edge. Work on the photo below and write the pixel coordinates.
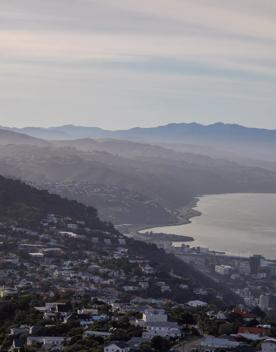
(240, 224)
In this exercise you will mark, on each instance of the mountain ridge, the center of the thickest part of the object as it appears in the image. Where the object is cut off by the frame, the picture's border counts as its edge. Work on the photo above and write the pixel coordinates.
(78, 131)
(17, 138)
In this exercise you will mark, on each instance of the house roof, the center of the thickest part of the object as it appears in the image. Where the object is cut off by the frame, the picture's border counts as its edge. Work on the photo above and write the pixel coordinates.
(245, 314)
(169, 324)
(270, 341)
(252, 330)
(120, 344)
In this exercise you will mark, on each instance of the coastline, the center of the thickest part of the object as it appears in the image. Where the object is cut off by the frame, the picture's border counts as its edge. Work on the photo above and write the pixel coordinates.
(188, 212)
(184, 215)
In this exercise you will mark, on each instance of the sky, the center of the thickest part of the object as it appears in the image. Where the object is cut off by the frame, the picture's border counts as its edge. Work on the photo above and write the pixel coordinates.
(125, 63)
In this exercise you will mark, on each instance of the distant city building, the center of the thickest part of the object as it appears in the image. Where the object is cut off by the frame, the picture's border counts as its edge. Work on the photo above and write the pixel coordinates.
(264, 302)
(223, 269)
(255, 263)
(244, 268)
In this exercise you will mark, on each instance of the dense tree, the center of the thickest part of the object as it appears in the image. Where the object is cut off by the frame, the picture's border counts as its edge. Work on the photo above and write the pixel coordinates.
(160, 344)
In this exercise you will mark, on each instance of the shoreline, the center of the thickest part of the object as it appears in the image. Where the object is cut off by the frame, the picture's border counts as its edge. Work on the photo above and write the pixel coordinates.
(185, 213)
(188, 212)
(165, 237)
(184, 216)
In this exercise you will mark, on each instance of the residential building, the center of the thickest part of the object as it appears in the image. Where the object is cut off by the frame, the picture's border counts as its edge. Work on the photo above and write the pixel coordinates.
(117, 346)
(269, 345)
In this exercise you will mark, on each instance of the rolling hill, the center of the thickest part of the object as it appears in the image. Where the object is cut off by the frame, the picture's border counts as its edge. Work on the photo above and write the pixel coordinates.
(24, 207)
(227, 140)
(130, 182)
(15, 138)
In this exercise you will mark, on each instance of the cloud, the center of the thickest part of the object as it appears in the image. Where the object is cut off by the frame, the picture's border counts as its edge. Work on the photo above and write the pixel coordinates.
(76, 48)
(242, 18)
(178, 41)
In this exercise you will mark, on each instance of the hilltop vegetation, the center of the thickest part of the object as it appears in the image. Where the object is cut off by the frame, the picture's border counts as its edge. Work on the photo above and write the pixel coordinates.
(27, 205)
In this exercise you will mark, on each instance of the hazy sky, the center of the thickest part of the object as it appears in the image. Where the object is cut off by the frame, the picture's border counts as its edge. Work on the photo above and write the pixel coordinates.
(122, 63)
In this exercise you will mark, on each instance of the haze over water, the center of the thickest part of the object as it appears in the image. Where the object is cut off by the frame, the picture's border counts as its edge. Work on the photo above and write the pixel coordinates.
(242, 224)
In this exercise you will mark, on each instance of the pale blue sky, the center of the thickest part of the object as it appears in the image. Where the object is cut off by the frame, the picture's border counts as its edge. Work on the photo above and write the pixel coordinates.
(124, 63)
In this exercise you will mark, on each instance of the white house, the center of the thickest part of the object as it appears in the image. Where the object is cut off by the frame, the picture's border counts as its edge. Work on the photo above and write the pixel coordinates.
(117, 346)
(155, 315)
(155, 323)
(47, 340)
(164, 329)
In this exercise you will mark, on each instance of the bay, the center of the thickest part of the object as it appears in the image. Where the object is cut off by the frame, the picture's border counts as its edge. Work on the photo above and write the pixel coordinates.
(238, 224)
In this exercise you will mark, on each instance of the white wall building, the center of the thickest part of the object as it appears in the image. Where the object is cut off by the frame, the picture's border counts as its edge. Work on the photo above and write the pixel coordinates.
(47, 340)
(155, 323)
(164, 329)
(269, 345)
(155, 315)
(117, 346)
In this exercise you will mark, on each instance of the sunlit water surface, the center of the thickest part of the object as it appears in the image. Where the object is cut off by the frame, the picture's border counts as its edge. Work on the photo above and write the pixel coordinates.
(242, 224)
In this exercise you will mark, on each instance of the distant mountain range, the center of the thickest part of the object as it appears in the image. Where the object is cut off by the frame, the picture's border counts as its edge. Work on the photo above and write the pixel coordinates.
(223, 138)
(175, 132)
